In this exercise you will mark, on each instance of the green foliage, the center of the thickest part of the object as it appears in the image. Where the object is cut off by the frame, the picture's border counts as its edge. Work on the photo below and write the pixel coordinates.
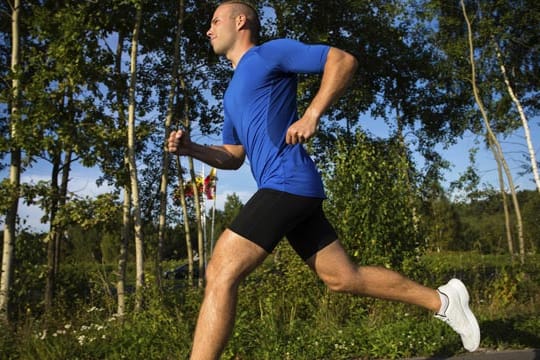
(153, 334)
(496, 26)
(371, 201)
(73, 98)
(102, 212)
(443, 226)
(282, 309)
(7, 191)
(29, 274)
(224, 218)
(530, 201)
(109, 247)
(482, 222)
(285, 312)
(8, 340)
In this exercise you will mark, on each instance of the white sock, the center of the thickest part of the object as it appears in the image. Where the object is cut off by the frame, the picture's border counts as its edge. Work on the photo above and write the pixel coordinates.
(444, 303)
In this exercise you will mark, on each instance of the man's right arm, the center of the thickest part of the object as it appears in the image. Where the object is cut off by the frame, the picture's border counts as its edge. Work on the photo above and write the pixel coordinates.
(229, 157)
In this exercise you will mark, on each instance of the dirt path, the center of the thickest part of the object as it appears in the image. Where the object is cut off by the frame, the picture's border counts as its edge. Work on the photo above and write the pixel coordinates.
(528, 354)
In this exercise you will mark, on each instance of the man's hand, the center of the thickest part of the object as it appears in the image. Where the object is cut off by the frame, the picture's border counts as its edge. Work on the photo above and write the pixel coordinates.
(178, 142)
(301, 131)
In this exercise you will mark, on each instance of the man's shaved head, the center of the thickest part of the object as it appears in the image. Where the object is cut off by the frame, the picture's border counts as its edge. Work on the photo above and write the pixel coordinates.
(239, 7)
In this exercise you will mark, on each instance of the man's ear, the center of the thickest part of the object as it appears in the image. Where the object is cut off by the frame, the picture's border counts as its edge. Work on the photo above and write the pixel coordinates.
(241, 21)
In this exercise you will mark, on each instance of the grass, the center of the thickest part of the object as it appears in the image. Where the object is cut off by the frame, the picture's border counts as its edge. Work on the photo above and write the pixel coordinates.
(284, 312)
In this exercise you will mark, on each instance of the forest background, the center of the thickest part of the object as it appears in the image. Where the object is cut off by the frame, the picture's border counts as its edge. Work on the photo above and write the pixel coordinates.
(100, 84)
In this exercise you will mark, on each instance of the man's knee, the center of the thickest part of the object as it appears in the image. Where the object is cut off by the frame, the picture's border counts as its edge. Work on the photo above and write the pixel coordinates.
(221, 275)
(225, 274)
(346, 281)
(233, 259)
(336, 285)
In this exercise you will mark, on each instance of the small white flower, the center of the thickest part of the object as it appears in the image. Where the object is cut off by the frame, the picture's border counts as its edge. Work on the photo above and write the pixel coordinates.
(81, 339)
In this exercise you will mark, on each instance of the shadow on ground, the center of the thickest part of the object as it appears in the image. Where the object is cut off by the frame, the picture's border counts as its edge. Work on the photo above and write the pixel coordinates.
(518, 332)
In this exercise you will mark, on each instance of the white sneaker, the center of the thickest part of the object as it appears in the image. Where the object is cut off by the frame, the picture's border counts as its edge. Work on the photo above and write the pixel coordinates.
(458, 315)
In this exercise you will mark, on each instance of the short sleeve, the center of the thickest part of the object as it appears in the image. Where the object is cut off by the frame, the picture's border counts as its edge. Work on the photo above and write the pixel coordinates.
(296, 57)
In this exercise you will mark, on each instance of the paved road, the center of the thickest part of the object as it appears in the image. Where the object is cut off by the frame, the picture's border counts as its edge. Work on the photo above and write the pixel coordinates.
(529, 354)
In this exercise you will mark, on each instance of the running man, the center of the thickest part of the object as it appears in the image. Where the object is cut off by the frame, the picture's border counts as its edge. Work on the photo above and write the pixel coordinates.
(261, 122)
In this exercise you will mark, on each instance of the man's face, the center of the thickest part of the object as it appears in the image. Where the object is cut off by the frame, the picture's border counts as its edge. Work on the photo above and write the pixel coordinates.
(222, 30)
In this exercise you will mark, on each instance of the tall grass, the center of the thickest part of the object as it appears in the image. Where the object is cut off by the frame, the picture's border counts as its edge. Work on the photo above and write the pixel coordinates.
(285, 312)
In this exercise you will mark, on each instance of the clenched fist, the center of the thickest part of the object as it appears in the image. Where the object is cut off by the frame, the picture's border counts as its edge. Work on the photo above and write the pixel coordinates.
(178, 142)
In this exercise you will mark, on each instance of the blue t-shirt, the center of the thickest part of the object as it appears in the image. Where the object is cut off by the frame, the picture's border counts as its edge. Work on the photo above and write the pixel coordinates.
(260, 105)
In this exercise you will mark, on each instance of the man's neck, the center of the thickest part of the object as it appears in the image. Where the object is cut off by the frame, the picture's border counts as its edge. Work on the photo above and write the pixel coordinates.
(236, 54)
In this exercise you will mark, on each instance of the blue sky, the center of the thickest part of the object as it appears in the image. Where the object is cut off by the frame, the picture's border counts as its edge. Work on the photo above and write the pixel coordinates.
(241, 182)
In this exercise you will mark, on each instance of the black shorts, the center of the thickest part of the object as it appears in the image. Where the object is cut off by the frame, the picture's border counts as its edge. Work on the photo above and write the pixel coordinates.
(270, 215)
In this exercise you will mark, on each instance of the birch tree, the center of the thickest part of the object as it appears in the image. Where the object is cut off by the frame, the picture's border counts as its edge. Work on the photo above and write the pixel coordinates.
(522, 115)
(493, 142)
(122, 257)
(195, 189)
(127, 224)
(515, 28)
(8, 252)
(136, 207)
(164, 184)
(62, 71)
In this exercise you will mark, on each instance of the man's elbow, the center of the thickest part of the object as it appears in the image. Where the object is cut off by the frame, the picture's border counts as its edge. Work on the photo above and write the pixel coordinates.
(239, 163)
(342, 60)
(234, 166)
(233, 163)
(227, 165)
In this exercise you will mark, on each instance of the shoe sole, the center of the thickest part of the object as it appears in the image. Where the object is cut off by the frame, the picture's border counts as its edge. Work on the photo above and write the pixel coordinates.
(463, 294)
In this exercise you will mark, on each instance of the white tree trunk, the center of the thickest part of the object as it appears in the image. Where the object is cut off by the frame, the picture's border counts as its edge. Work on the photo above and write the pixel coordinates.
(121, 309)
(8, 252)
(168, 123)
(187, 125)
(139, 250)
(522, 116)
(122, 260)
(507, 222)
(493, 142)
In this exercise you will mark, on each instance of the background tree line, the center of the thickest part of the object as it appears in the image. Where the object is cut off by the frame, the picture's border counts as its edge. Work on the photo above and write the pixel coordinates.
(102, 83)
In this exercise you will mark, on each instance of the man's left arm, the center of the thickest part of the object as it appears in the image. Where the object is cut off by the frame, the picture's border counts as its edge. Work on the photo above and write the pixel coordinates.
(338, 73)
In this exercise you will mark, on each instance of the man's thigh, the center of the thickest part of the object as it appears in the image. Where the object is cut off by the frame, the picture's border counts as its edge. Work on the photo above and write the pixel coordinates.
(234, 257)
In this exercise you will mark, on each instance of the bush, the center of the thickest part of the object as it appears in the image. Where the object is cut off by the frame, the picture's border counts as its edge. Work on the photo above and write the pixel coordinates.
(285, 312)
(371, 202)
